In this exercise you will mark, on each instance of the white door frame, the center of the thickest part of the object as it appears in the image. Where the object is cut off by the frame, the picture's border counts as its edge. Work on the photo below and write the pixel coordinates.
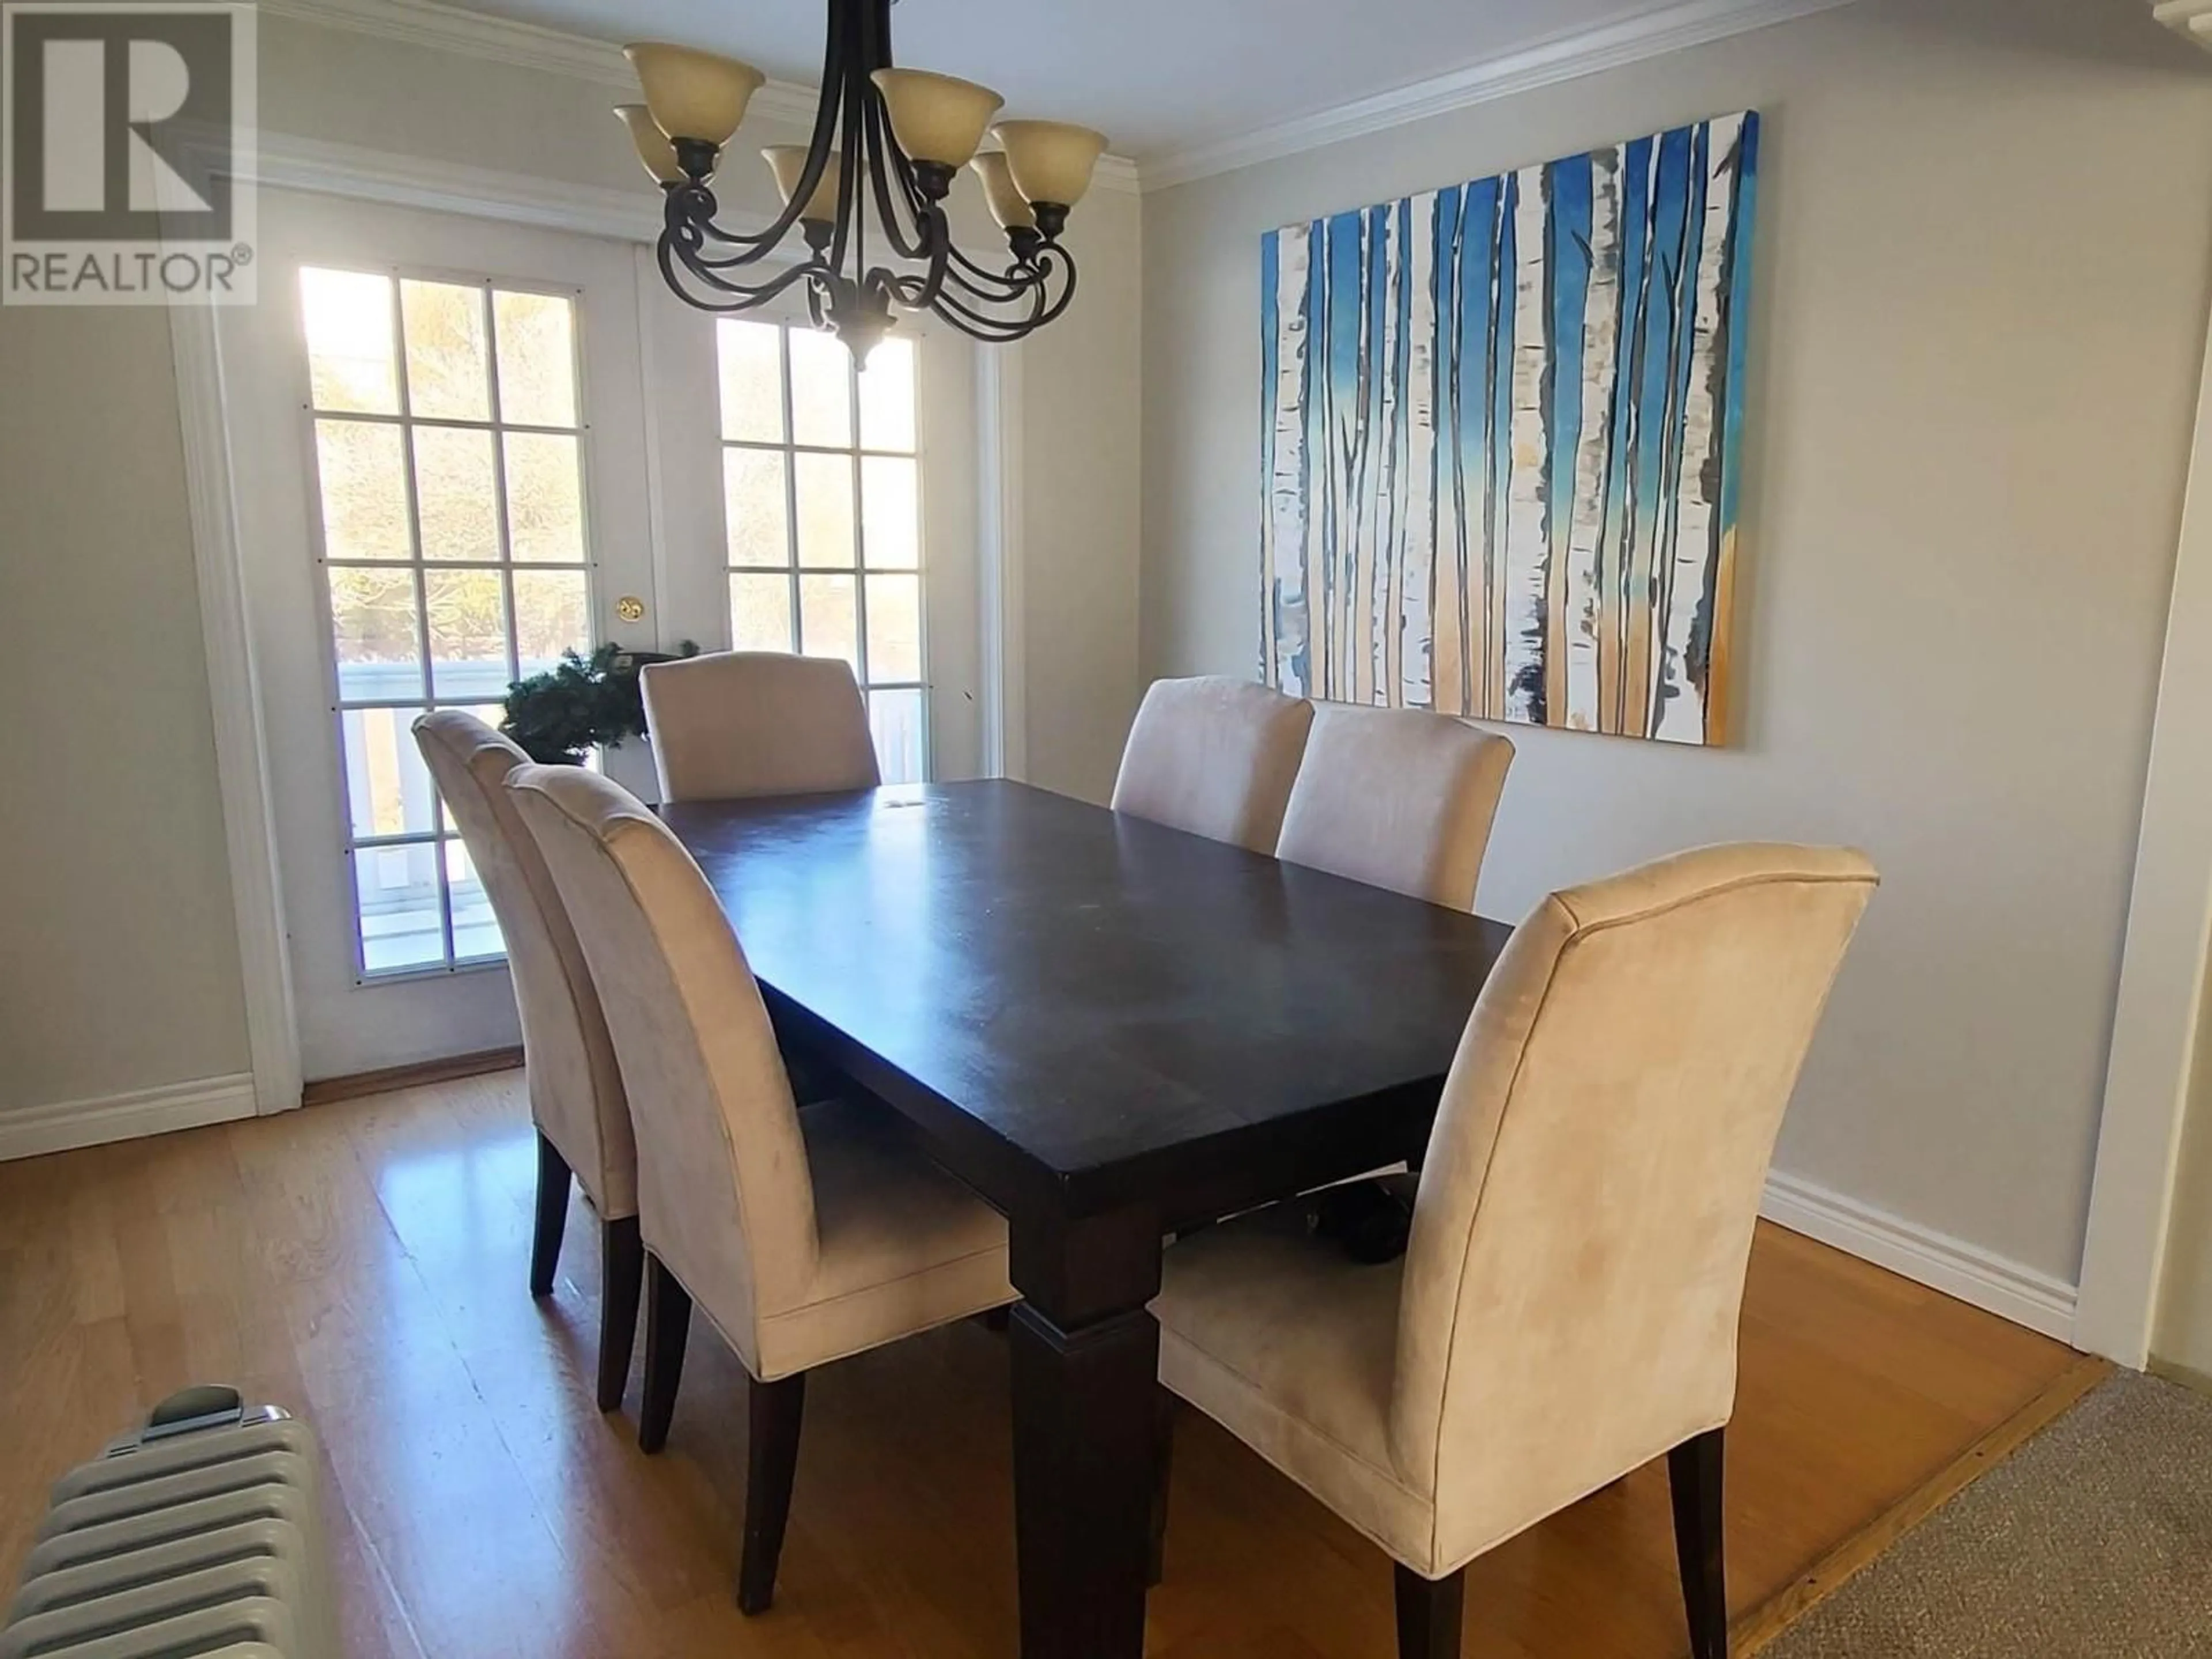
(2162, 967)
(249, 828)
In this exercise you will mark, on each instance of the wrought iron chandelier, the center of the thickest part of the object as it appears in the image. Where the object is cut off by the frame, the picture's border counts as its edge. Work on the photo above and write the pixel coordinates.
(886, 147)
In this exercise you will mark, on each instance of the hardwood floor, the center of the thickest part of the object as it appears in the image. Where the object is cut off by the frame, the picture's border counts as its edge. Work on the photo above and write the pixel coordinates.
(366, 1265)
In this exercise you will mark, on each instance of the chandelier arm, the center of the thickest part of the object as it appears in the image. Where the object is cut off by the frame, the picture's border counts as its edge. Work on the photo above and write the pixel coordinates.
(965, 317)
(915, 291)
(754, 246)
(933, 242)
(909, 185)
(938, 235)
(852, 87)
(993, 288)
(1024, 270)
(696, 201)
(1044, 308)
(977, 324)
(1058, 308)
(1025, 279)
(881, 147)
(989, 330)
(739, 297)
(692, 238)
(909, 291)
(705, 263)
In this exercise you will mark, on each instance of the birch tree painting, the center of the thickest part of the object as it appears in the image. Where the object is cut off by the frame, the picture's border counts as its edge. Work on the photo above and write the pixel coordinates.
(1501, 425)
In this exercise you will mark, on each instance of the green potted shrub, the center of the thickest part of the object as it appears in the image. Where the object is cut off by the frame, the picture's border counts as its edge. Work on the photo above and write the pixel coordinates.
(582, 703)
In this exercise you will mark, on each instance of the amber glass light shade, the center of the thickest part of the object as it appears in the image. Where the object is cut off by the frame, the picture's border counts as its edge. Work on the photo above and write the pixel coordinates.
(788, 163)
(1007, 205)
(654, 149)
(693, 94)
(936, 117)
(1050, 161)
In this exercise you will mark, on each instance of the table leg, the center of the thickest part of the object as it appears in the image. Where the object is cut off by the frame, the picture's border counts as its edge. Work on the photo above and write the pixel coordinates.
(1085, 1358)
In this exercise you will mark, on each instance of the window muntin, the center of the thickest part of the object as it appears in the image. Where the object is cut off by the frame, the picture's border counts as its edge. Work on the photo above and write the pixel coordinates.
(448, 499)
(822, 507)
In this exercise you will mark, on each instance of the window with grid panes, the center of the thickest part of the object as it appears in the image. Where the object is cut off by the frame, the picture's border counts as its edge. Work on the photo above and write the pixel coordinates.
(822, 502)
(448, 467)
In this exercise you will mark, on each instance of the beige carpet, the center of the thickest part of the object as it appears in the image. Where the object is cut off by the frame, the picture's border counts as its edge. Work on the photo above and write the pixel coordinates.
(2095, 1539)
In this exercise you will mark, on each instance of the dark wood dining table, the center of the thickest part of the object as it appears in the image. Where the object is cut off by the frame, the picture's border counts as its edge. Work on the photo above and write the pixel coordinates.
(1109, 1029)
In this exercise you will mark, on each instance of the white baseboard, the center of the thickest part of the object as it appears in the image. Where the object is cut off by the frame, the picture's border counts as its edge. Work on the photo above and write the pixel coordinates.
(30, 1131)
(1989, 1281)
(1972, 1275)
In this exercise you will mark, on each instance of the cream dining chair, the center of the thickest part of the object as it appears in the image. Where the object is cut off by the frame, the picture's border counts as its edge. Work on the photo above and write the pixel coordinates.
(742, 723)
(1396, 798)
(1215, 756)
(1567, 1309)
(568, 1063)
(804, 1238)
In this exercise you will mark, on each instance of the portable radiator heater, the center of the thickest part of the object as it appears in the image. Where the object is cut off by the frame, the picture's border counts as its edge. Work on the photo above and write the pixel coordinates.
(199, 1534)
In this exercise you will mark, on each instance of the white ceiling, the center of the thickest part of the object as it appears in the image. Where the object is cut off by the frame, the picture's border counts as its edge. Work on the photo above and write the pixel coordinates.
(1156, 76)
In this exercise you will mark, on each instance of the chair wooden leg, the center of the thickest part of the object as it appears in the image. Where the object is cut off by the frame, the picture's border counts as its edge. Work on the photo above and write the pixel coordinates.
(553, 1178)
(622, 1271)
(1693, 1473)
(667, 1326)
(1163, 1409)
(1429, 1612)
(771, 1462)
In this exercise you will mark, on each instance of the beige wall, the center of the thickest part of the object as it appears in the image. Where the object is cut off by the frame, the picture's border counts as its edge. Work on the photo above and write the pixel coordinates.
(1080, 519)
(1980, 300)
(119, 963)
(119, 957)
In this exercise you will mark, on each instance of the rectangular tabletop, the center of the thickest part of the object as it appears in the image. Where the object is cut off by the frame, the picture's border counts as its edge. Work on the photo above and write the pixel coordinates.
(1106, 1027)
(1083, 1007)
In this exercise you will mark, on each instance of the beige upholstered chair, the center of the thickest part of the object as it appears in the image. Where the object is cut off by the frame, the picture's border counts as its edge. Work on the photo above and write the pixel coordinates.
(1396, 798)
(803, 1238)
(757, 723)
(1567, 1308)
(1215, 756)
(574, 1087)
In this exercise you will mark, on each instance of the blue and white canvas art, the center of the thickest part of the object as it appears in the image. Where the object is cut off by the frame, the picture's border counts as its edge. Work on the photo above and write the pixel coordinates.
(1502, 428)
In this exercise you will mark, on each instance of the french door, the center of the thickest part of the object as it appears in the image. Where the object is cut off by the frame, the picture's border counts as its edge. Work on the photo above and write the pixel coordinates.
(810, 506)
(462, 449)
(438, 442)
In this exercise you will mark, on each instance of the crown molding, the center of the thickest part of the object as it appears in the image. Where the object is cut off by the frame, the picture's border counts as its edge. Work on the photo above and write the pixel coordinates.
(505, 40)
(1563, 58)
(450, 28)
(556, 51)
(291, 162)
(1649, 34)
